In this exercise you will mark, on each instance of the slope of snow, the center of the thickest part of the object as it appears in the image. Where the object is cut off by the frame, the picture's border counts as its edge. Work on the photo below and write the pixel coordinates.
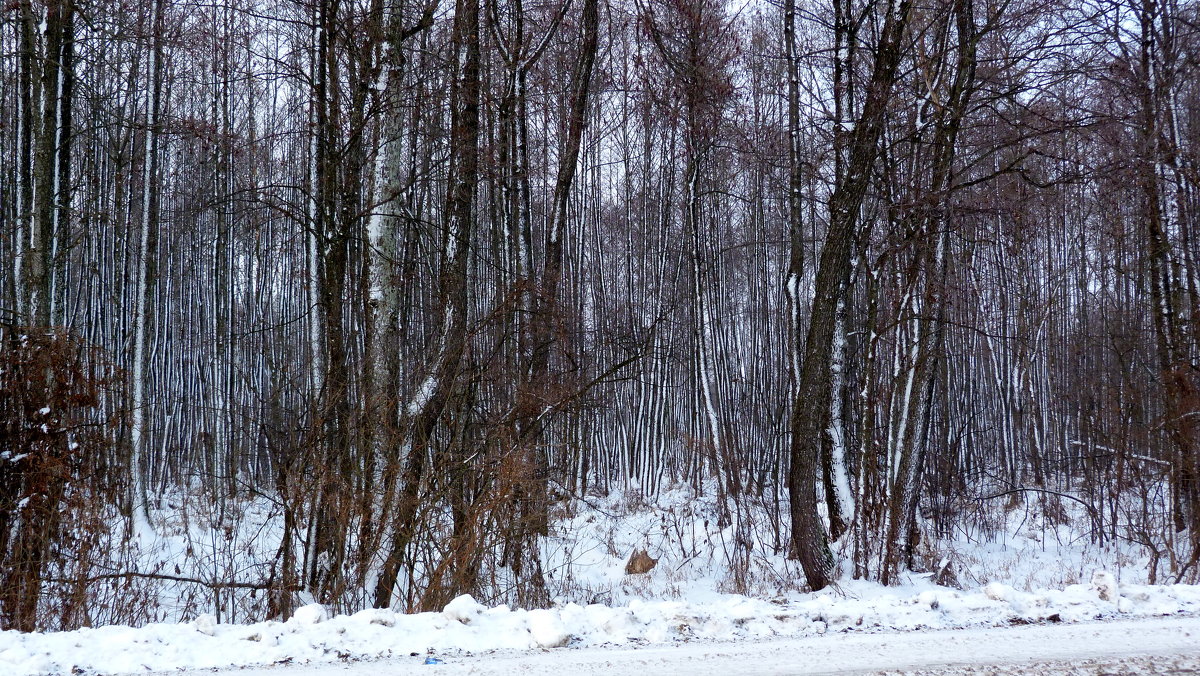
(703, 552)
(721, 576)
(702, 555)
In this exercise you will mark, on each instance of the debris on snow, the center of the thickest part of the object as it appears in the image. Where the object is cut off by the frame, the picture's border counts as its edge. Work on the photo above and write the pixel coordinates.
(640, 563)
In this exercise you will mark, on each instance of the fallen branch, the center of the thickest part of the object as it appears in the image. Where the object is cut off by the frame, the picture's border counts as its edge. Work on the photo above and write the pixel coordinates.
(1091, 510)
(174, 578)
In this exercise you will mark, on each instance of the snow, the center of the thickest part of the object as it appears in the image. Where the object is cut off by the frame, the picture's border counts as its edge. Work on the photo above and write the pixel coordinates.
(311, 614)
(423, 395)
(206, 624)
(1029, 568)
(1140, 646)
(464, 609)
(466, 626)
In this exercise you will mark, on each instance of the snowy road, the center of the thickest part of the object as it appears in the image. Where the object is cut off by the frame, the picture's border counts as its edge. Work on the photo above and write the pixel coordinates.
(1170, 645)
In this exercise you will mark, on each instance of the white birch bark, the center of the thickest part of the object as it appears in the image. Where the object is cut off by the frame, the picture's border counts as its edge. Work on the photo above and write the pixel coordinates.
(145, 286)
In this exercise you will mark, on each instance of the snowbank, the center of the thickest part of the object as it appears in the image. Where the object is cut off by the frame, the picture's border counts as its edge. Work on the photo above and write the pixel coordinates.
(466, 626)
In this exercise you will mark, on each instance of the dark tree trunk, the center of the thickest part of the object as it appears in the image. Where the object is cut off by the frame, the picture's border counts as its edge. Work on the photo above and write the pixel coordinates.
(810, 410)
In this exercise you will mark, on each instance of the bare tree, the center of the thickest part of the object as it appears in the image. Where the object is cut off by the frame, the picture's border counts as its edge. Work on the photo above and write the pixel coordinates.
(810, 412)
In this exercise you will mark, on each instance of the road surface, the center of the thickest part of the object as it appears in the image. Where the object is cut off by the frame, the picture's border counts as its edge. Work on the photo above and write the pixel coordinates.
(1152, 646)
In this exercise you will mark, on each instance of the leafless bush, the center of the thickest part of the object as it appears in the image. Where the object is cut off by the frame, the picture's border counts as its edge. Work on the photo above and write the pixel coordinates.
(57, 459)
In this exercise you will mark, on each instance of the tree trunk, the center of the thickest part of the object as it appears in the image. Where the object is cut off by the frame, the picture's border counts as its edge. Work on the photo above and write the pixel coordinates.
(432, 394)
(147, 275)
(810, 409)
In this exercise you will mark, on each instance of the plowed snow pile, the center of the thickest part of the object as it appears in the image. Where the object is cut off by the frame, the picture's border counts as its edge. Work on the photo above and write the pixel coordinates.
(467, 626)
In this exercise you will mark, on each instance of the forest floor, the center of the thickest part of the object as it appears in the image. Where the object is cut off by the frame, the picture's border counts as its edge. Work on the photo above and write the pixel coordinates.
(1029, 589)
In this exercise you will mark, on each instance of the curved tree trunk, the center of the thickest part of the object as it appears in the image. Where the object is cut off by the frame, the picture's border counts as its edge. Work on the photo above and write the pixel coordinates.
(811, 406)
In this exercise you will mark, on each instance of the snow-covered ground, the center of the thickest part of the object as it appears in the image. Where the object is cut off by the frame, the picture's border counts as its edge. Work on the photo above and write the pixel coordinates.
(1155, 646)
(700, 557)
(702, 553)
(722, 586)
(467, 627)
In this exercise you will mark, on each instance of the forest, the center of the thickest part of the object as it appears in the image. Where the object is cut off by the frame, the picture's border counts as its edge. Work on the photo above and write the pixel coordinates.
(413, 275)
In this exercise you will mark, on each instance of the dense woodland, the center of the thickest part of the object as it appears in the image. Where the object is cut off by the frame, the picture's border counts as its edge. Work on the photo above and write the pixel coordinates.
(417, 272)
